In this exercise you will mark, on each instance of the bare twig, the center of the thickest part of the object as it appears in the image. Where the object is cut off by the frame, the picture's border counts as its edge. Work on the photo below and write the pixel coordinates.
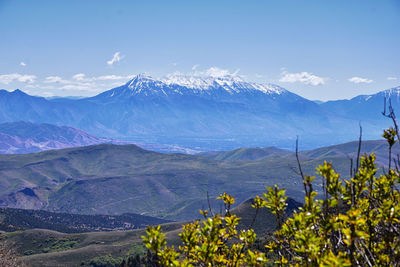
(351, 168)
(299, 166)
(359, 149)
(391, 115)
(209, 205)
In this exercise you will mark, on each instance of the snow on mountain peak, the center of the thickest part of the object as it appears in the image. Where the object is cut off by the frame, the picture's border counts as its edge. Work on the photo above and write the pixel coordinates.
(229, 83)
(388, 93)
(139, 79)
(143, 82)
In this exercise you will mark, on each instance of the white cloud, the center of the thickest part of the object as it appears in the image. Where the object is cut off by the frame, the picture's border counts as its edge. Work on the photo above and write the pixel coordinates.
(23, 64)
(79, 77)
(82, 78)
(215, 72)
(55, 79)
(359, 80)
(116, 58)
(112, 77)
(39, 86)
(80, 87)
(8, 78)
(195, 66)
(27, 78)
(79, 84)
(392, 78)
(302, 77)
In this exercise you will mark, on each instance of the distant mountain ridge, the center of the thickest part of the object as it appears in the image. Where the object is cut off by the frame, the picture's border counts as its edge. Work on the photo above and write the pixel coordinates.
(249, 154)
(365, 107)
(27, 137)
(345, 150)
(205, 113)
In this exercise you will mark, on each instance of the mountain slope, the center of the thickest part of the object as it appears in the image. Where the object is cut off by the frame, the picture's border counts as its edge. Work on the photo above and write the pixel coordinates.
(367, 109)
(365, 106)
(246, 154)
(26, 137)
(209, 108)
(265, 221)
(346, 150)
(19, 219)
(112, 179)
(40, 247)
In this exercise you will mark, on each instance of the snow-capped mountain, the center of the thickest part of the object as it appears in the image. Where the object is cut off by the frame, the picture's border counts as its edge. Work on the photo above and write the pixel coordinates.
(205, 113)
(177, 84)
(230, 84)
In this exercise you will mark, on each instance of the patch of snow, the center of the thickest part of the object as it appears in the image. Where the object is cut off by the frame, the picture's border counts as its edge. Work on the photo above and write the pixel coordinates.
(181, 84)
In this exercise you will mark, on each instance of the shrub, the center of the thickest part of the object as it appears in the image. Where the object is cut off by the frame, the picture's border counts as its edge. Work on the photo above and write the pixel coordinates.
(355, 222)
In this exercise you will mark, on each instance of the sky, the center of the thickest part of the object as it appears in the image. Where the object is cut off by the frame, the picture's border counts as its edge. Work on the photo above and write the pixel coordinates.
(321, 50)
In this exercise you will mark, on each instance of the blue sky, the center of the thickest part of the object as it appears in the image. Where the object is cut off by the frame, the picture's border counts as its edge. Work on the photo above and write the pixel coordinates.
(317, 49)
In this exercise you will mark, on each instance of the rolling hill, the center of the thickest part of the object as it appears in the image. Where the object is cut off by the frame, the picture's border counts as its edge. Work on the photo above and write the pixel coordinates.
(43, 247)
(346, 150)
(19, 219)
(116, 179)
(250, 154)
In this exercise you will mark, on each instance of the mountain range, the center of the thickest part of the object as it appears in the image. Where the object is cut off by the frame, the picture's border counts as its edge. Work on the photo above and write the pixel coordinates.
(205, 113)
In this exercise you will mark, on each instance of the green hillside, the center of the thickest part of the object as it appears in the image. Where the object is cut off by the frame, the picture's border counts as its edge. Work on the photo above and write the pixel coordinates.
(43, 247)
(112, 179)
(379, 147)
(265, 221)
(19, 219)
(246, 154)
(40, 247)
